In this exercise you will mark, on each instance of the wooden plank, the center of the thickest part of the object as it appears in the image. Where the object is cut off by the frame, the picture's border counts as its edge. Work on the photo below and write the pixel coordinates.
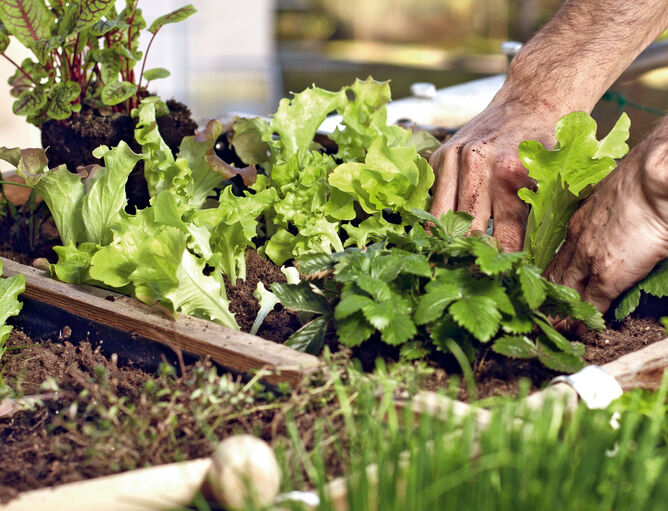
(148, 489)
(643, 368)
(233, 349)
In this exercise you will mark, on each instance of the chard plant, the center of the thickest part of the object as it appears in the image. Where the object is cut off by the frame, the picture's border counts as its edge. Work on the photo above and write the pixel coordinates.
(84, 53)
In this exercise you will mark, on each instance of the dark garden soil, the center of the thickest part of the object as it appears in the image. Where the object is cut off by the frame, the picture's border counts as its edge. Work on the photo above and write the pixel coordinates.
(104, 418)
(96, 418)
(90, 129)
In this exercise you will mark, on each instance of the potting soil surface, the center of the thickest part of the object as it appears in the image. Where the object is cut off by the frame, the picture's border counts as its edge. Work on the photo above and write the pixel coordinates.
(78, 431)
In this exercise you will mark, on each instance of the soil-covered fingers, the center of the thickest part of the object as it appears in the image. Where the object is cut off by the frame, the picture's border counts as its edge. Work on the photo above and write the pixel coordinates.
(509, 211)
(474, 184)
(445, 164)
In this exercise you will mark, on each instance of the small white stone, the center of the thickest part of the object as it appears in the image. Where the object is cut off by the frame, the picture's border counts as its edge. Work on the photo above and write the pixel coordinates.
(243, 470)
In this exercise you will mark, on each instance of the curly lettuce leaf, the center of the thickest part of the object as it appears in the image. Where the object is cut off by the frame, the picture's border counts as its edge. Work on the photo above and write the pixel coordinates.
(10, 289)
(564, 177)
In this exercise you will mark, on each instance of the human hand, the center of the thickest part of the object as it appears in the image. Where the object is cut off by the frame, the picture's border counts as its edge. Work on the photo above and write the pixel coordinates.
(478, 170)
(621, 231)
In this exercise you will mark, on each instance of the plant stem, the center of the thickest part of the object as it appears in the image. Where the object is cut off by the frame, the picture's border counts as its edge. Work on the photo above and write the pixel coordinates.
(143, 64)
(23, 72)
(2, 182)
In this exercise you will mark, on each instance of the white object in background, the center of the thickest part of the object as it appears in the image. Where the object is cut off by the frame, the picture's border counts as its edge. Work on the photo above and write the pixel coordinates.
(451, 107)
(595, 386)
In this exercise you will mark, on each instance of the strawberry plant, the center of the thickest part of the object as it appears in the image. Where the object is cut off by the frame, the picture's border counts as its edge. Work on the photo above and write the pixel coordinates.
(444, 291)
(456, 293)
(84, 53)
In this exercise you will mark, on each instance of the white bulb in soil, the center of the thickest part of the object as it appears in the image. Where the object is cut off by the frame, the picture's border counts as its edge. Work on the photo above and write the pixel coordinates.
(244, 470)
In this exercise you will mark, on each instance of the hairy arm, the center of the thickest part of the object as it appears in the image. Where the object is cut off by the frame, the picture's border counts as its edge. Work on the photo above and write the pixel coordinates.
(566, 67)
(572, 61)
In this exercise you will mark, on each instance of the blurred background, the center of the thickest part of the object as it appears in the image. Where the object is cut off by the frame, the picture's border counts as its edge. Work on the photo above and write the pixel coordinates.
(244, 56)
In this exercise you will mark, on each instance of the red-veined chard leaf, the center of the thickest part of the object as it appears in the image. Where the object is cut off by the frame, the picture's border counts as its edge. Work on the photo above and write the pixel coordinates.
(28, 20)
(156, 73)
(30, 101)
(116, 92)
(172, 17)
(90, 12)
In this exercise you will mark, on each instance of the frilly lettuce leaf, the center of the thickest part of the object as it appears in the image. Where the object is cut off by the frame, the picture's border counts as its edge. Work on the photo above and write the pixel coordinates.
(564, 177)
(10, 289)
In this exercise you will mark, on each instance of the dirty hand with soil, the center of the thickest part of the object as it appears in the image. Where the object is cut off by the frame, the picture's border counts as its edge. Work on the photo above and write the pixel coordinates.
(621, 231)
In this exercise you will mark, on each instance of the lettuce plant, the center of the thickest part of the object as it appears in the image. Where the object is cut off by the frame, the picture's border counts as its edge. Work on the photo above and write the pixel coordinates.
(84, 53)
(157, 255)
(327, 202)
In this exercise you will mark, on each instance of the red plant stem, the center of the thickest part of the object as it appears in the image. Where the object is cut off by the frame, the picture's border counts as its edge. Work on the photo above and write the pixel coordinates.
(23, 72)
(143, 64)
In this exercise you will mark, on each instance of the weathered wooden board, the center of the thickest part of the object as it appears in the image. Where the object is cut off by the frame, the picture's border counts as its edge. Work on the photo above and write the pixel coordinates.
(149, 489)
(233, 349)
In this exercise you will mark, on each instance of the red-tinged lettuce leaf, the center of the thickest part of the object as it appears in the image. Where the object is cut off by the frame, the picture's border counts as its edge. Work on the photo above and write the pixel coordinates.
(564, 176)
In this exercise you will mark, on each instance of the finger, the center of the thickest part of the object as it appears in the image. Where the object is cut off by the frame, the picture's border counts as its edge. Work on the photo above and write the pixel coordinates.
(473, 194)
(564, 258)
(509, 211)
(444, 162)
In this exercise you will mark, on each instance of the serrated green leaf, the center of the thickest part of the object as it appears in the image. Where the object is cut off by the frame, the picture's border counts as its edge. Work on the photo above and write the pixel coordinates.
(559, 341)
(379, 314)
(656, 282)
(517, 325)
(559, 361)
(156, 73)
(493, 262)
(116, 92)
(400, 330)
(433, 303)
(516, 346)
(456, 224)
(172, 17)
(533, 285)
(349, 304)
(310, 337)
(378, 289)
(628, 303)
(413, 350)
(300, 297)
(353, 330)
(477, 314)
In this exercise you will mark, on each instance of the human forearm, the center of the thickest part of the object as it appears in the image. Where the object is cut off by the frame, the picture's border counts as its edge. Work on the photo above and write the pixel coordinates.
(570, 63)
